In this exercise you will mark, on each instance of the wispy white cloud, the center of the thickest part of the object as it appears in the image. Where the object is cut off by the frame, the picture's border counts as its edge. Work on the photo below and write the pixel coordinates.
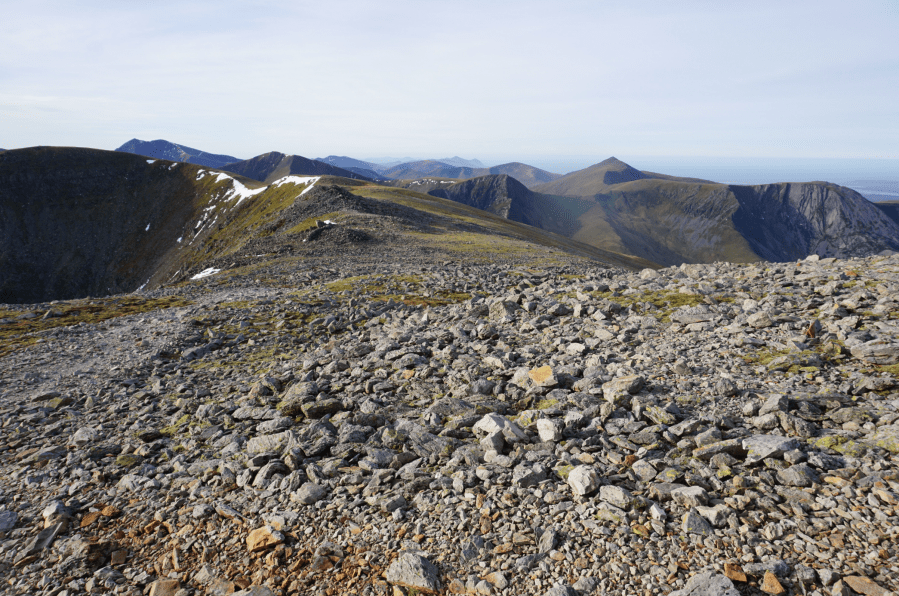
(473, 78)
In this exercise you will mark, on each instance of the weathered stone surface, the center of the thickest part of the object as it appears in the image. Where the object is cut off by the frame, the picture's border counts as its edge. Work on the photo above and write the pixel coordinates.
(864, 585)
(707, 584)
(877, 351)
(583, 480)
(617, 390)
(414, 572)
(263, 538)
(310, 493)
(759, 447)
(543, 377)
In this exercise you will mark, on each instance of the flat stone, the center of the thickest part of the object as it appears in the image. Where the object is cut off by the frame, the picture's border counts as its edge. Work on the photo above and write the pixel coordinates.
(8, 520)
(730, 446)
(690, 496)
(798, 475)
(271, 443)
(734, 572)
(694, 523)
(877, 351)
(165, 587)
(865, 586)
(771, 585)
(415, 572)
(617, 496)
(759, 447)
(543, 377)
(617, 390)
(310, 493)
(321, 408)
(707, 584)
(263, 538)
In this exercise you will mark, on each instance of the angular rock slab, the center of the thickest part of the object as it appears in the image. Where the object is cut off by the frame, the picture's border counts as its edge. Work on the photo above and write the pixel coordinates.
(414, 572)
(708, 584)
(759, 447)
(876, 351)
(617, 390)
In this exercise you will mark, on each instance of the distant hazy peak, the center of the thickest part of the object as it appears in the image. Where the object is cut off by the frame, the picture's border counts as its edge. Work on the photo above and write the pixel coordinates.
(461, 162)
(162, 149)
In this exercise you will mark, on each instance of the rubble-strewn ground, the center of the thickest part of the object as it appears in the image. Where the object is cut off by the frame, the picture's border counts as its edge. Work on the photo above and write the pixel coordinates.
(505, 429)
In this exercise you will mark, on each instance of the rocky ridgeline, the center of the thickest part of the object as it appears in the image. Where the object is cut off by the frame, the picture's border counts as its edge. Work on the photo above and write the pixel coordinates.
(705, 429)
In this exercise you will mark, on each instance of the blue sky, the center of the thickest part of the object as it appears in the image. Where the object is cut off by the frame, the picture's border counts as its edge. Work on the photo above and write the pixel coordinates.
(493, 80)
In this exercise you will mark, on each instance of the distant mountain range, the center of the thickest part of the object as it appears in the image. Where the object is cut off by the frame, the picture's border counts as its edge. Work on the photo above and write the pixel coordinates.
(161, 149)
(672, 220)
(616, 207)
(101, 222)
(268, 167)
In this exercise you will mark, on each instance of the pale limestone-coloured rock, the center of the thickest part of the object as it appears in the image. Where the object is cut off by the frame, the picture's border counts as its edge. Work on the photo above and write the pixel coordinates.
(690, 496)
(310, 493)
(268, 443)
(618, 390)
(707, 584)
(617, 496)
(759, 447)
(492, 423)
(414, 572)
(583, 480)
(549, 430)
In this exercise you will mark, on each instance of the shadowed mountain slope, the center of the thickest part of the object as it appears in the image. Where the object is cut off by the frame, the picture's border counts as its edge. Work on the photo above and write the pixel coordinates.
(671, 220)
(161, 149)
(268, 167)
(890, 208)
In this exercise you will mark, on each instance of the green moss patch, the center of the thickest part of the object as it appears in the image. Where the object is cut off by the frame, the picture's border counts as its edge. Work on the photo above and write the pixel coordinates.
(19, 333)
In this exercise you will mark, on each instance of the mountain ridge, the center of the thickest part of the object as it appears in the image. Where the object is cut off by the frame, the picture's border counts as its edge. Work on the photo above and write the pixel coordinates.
(273, 165)
(672, 220)
(162, 149)
(78, 222)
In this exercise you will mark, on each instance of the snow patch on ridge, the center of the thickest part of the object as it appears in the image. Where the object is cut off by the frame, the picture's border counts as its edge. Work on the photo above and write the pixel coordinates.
(309, 181)
(206, 273)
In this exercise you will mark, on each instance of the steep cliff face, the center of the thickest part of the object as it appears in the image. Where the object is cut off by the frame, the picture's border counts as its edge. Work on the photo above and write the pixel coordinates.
(488, 193)
(77, 222)
(791, 221)
(672, 221)
(507, 197)
(84, 222)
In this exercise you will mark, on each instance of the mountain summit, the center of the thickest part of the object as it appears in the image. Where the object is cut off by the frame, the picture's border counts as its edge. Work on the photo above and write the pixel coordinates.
(162, 149)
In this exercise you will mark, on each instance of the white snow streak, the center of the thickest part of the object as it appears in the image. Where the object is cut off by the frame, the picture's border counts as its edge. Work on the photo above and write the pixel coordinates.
(147, 229)
(206, 273)
(151, 161)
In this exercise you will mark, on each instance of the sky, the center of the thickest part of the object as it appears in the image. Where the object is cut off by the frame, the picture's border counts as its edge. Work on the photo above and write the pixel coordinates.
(562, 81)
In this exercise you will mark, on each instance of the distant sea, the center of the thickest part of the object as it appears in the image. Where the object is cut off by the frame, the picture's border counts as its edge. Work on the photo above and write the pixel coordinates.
(875, 179)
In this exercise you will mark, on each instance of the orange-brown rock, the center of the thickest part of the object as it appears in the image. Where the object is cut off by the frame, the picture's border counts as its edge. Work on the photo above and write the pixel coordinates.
(865, 586)
(263, 538)
(734, 572)
(771, 585)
